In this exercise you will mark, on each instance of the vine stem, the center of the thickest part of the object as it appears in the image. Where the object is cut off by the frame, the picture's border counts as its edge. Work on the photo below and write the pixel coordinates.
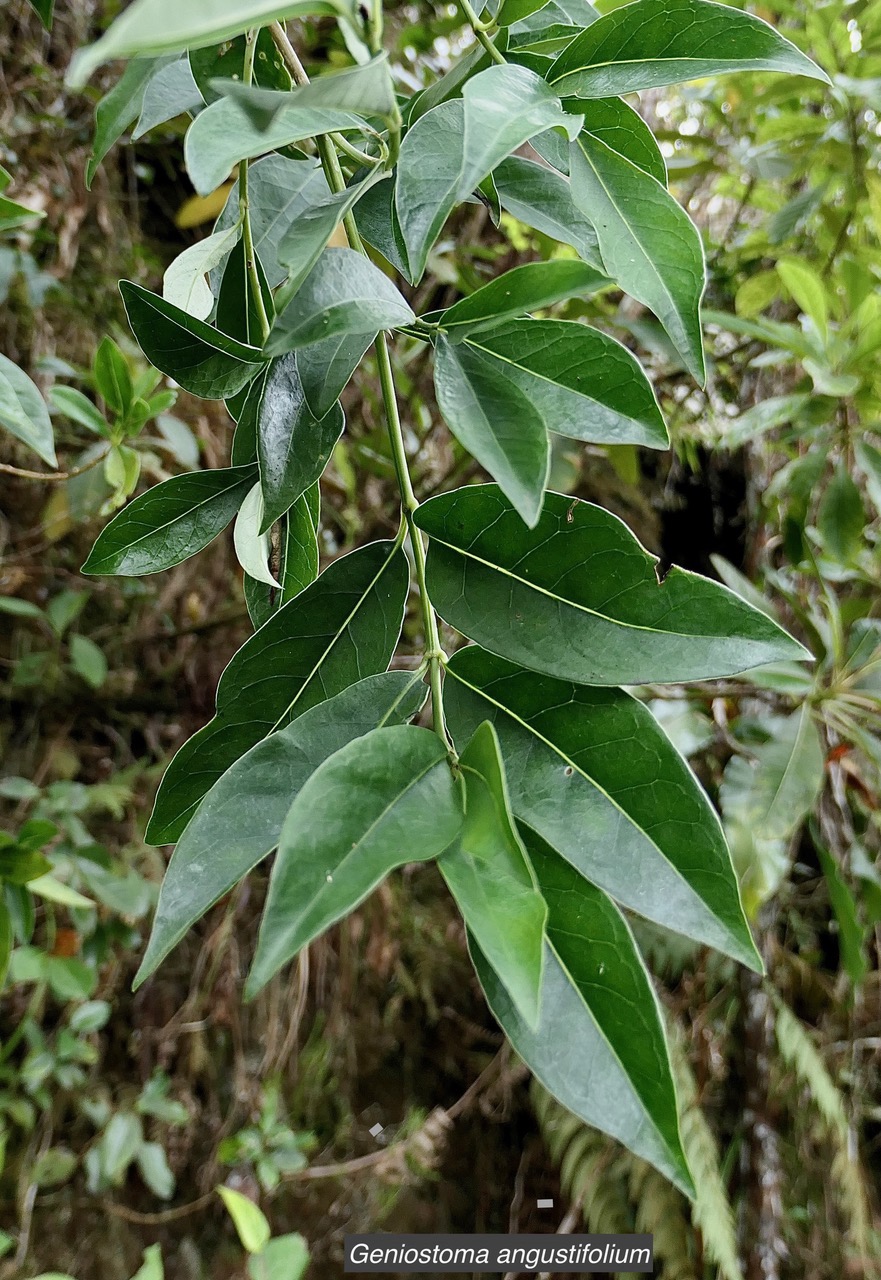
(480, 29)
(245, 205)
(433, 651)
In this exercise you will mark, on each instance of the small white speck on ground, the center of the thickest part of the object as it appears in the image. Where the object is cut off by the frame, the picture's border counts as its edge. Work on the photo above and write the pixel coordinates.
(545, 1204)
(376, 1130)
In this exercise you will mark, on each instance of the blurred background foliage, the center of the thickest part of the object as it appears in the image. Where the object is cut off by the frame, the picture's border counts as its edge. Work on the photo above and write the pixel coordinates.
(119, 1115)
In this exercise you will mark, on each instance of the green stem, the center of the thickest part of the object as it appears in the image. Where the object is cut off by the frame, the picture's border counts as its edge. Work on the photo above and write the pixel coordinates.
(480, 29)
(245, 207)
(433, 651)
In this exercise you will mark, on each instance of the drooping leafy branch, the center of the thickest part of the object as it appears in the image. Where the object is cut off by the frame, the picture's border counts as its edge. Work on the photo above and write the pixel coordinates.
(549, 795)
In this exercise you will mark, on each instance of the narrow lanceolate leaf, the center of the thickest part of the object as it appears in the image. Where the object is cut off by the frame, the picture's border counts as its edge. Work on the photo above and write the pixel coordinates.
(343, 294)
(517, 292)
(592, 771)
(296, 562)
(224, 134)
(452, 148)
(167, 26)
(648, 244)
(580, 382)
(293, 446)
(203, 360)
(239, 821)
(491, 878)
(279, 193)
(345, 626)
(599, 1046)
(253, 548)
(495, 422)
(656, 42)
(119, 108)
(170, 522)
(383, 800)
(578, 597)
(367, 90)
(541, 198)
(23, 411)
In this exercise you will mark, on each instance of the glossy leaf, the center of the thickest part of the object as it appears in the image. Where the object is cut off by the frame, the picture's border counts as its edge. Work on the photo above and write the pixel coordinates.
(652, 43)
(580, 382)
(599, 1044)
(23, 412)
(451, 149)
(495, 422)
(490, 876)
(341, 628)
(167, 26)
(239, 821)
(170, 522)
(203, 360)
(383, 800)
(343, 294)
(615, 123)
(224, 134)
(648, 244)
(367, 90)
(517, 292)
(543, 199)
(592, 771)
(292, 444)
(579, 598)
(326, 367)
(226, 60)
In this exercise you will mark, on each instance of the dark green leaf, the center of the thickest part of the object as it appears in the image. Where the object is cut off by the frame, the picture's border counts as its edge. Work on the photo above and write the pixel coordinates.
(239, 821)
(517, 292)
(292, 444)
(119, 108)
(599, 1046)
(307, 236)
(44, 9)
(490, 877)
(579, 598)
(581, 382)
(651, 43)
(841, 519)
(377, 220)
(112, 377)
(170, 522)
(367, 90)
(326, 367)
(542, 199)
(344, 294)
(512, 11)
(592, 771)
(383, 800)
(495, 422)
(852, 936)
(297, 559)
(226, 60)
(23, 413)
(341, 628)
(616, 124)
(648, 244)
(224, 134)
(203, 360)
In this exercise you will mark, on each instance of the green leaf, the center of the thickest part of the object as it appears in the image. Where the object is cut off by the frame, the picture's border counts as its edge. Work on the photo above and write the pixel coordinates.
(56, 891)
(44, 9)
(542, 199)
(841, 519)
(366, 90)
(297, 559)
(167, 26)
(88, 661)
(615, 123)
(581, 382)
(490, 876)
(112, 376)
(517, 292)
(648, 244)
(495, 422)
(240, 819)
(252, 547)
(592, 771)
(772, 789)
(451, 149)
(341, 628)
(382, 800)
(808, 290)
(253, 1229)
(170, 92)
(151, 1268)
(74, 405)
(119, 108)
(512, 11)
(579, 598)
(203, 360)
(869, 462)
(280, 191)
(224, 134)
(23, 413)
(343, 294)
(5, 942)
(184, 284)
(599, 1045)
(305, 239)
(284, 1258)
(227, 60)
(293, 445)
(851, 934)
(119, 1145)
(170, 522)
(377, 220)
(153, 1165)
(652, 43)
(326, 367)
